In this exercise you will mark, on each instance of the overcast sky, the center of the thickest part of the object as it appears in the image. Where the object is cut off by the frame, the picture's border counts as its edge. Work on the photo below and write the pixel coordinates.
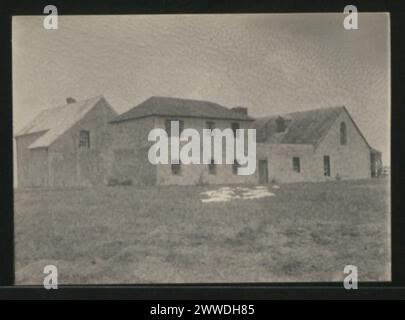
(268, 63)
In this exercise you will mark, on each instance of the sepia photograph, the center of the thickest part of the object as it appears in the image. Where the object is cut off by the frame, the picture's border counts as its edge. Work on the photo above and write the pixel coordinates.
(201, 148)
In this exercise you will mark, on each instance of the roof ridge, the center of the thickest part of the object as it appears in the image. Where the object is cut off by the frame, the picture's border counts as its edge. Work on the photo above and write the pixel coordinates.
(186, 107)
(318, 109)
(189, 99)
(67, 104)
(298, 112)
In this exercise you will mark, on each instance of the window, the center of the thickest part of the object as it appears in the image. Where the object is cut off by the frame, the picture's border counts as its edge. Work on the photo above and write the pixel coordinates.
(296, 164)
(168, 126)
(326, 166)
(210, 125)
(343, 134)
(84, 139)
(235, 167)
(234, 127)
(212, 168)
(181, 126)
(176, 169)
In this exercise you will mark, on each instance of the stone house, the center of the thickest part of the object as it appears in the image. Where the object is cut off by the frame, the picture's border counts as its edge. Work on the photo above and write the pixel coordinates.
(86, 143)
(130, 130)
(65, 146)
(315, 145)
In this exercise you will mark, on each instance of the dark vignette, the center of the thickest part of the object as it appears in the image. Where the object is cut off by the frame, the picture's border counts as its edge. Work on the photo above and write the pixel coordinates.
(206, 291)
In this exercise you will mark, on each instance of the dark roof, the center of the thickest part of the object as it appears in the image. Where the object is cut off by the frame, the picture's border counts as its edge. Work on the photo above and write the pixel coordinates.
(305, 127)
(167, 106)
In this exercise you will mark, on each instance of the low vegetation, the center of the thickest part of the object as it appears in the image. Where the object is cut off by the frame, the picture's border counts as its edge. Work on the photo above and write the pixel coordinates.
(127, 234)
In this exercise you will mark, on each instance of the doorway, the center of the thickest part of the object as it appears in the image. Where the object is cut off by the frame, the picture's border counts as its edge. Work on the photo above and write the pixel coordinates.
(326, 166)
(263, 172)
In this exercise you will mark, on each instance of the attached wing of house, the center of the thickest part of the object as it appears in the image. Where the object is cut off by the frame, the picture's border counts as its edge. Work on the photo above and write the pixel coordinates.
(304, 127)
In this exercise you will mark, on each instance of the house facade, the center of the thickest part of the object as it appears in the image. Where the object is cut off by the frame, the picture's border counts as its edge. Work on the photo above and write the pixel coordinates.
(129, 154)
(315, 145)
(86, 144)
(65, 146)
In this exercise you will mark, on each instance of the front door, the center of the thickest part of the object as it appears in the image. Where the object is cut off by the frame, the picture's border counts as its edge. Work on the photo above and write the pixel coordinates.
(263, 172)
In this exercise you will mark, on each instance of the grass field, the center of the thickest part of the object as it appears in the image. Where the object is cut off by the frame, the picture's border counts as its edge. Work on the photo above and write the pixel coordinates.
(306, 232)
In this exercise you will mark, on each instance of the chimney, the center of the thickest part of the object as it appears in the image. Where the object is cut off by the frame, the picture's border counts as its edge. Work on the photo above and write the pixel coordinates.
(282, 123)
(241, 110)
(70, 100)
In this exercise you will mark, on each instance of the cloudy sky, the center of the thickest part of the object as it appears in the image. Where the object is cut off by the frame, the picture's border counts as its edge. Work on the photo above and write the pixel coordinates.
(269, 63)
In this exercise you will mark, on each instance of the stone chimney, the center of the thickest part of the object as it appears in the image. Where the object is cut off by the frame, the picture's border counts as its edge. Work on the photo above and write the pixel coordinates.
(282, 123)
(70, 100)
(241, 110)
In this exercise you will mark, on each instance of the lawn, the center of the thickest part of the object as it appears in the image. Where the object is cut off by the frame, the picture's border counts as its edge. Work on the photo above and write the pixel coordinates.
(127, 234)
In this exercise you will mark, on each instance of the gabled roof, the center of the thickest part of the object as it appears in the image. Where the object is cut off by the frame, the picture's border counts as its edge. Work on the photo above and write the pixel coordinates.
(56, 121)
(167, 106)
(304, 127)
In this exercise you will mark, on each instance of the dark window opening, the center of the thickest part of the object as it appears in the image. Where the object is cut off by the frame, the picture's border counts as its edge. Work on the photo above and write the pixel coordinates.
(84, 139)
(176, 169)
(343, 134)
(235, 167)
(296, 164)
(326, 166)
(234, 127)
(212, 168)
(168, 126)
(210, 125)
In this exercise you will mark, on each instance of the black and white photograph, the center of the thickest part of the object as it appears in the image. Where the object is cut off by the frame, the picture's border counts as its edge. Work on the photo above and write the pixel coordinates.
(202, 148)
